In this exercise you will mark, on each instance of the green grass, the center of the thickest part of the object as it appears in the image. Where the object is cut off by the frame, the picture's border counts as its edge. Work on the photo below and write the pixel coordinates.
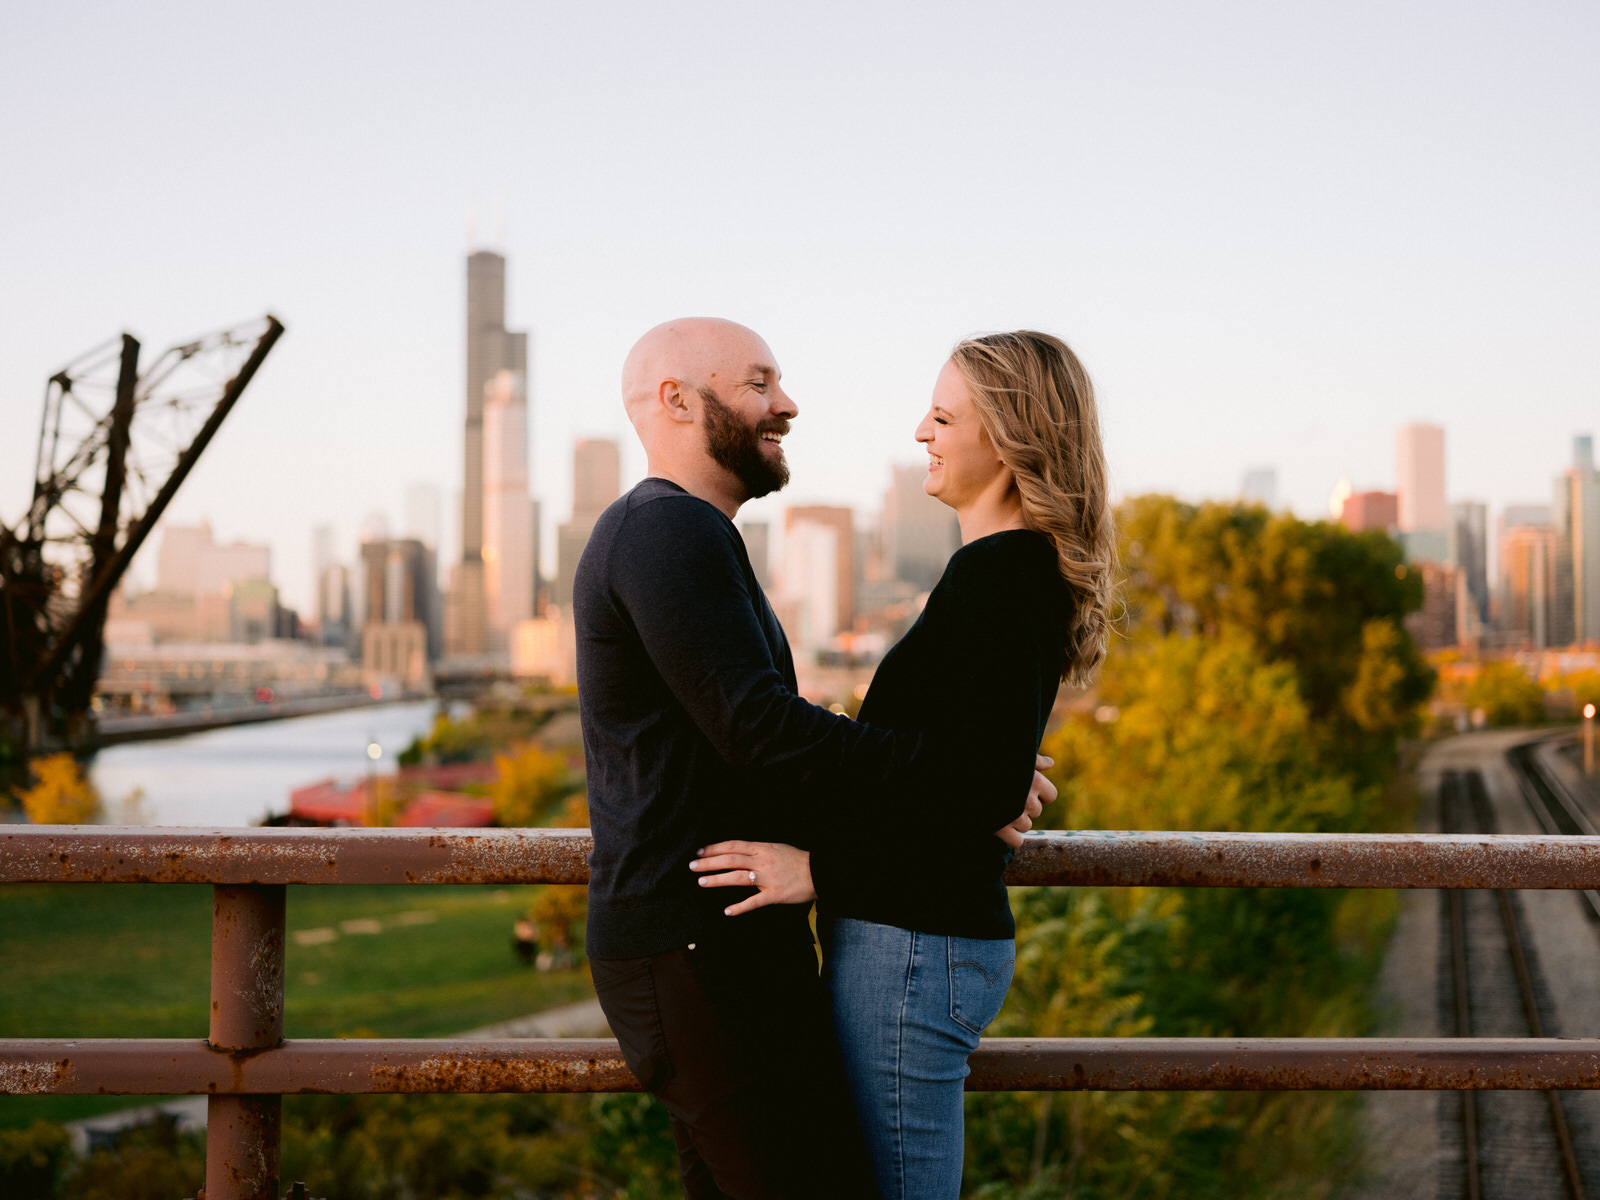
(134, 960)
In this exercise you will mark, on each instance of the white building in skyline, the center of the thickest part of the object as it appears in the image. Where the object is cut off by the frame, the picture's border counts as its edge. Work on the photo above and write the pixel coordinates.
(509, 531)
(808, 584)
(424, 515)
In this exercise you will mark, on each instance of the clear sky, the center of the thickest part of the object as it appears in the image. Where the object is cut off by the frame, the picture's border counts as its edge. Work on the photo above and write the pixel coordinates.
(1273, 231)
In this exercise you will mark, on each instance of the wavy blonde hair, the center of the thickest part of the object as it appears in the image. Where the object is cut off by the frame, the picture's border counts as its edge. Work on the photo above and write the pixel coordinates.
(1037, 407)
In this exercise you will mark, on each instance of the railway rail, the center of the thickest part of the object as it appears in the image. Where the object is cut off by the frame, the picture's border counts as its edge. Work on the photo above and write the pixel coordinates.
(1510, 1145)
(1551, 801)
(1490, 984)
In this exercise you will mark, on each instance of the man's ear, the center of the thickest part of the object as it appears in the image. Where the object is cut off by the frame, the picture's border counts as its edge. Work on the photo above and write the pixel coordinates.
(675, 402)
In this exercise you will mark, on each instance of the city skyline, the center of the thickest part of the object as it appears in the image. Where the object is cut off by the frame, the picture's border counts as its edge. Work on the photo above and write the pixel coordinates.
(1273, 236)
(327, 543)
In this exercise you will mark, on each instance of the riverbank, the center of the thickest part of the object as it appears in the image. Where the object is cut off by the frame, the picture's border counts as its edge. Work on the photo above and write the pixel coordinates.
(114, 731)
(244, 774)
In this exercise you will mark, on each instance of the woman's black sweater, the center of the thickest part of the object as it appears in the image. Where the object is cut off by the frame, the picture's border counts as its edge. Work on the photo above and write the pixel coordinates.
(979, 670)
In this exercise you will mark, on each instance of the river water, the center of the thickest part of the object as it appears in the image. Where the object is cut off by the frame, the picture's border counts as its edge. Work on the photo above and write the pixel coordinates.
(239, 775)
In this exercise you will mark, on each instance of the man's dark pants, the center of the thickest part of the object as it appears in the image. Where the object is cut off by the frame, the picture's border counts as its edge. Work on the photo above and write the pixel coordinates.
(734, 1038)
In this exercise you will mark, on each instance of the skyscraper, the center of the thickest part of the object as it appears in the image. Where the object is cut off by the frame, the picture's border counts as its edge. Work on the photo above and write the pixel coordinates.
(1527, 575)
(1469, 550)
(809, 583)
(839, 593)
(757, 544)
(1419, 482)
(509, 537)
(491, 348)
(1259, 485)
(397, 603)
(321, 549)
(1575, 513)
(596, 477)
(423, 514)
(919, 533)
(1362, 511)
(596, 482)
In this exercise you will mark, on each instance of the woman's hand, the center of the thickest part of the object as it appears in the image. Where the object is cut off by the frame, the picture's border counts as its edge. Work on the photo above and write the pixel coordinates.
(1041, 793)
(780, 874)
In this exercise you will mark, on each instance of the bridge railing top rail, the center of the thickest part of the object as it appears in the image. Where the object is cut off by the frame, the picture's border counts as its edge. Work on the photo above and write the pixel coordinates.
(144, 854)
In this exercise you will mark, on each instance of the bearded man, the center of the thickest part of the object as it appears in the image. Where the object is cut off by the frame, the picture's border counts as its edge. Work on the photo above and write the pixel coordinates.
(693, 734)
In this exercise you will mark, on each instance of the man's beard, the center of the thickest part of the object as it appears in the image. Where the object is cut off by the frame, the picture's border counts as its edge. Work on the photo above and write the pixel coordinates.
(736, 447)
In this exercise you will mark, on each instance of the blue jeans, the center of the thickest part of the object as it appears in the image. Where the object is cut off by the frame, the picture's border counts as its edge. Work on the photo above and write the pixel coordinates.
(908, 1008)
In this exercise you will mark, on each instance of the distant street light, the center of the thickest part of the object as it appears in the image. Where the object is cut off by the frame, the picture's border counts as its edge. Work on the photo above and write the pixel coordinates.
(1588, 739)
(374, 753)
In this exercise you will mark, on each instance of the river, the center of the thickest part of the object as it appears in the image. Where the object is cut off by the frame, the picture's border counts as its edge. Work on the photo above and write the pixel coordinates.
(239, 775)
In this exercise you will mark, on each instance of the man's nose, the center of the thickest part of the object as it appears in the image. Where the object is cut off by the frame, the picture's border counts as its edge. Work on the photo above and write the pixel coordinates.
(783, 405)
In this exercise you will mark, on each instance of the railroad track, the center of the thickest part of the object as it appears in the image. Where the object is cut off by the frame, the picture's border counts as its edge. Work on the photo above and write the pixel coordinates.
(1553, 806)
(1513, 1145)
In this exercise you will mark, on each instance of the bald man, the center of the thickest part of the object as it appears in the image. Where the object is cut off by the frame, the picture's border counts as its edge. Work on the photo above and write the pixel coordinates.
(694, 733)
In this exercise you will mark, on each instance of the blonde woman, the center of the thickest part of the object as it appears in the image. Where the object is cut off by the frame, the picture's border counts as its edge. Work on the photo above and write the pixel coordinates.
(918, 937)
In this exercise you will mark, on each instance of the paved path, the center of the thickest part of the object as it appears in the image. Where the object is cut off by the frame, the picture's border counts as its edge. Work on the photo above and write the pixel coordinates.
(569, 1021)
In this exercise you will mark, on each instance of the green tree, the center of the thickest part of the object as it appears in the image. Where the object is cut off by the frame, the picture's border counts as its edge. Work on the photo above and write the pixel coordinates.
(1207, 736)
(1507, 694)
(1305, 594)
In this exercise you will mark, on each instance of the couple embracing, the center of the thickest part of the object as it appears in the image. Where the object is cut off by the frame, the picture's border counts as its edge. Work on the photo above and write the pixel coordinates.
(723, 804)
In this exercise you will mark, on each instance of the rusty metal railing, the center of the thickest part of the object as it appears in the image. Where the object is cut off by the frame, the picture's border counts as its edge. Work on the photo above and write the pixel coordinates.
(245, 1065)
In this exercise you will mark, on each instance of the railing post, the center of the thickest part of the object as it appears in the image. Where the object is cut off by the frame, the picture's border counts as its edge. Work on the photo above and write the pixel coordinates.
(247, 925)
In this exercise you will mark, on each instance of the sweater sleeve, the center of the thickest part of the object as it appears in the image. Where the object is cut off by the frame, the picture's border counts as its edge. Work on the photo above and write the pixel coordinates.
(678, 575)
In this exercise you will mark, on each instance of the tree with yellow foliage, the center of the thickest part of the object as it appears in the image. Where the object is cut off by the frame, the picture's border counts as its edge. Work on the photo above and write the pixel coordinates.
(531, 780)
(60, 795)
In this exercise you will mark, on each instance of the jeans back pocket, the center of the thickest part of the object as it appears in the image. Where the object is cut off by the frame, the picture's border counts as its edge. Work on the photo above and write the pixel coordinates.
(980, 974)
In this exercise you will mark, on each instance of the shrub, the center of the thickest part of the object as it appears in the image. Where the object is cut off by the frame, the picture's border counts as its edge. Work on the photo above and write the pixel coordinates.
(149, 1162)
(60, 795)
(33, 1161)
(531, 781)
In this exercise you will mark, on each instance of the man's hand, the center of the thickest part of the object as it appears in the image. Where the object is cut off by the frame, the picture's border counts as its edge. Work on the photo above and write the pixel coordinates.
(781, 874)
(1041, 793)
